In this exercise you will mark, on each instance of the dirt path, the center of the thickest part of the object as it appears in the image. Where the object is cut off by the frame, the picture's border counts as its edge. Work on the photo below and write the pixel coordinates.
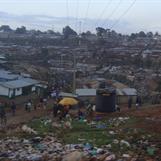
(153, 112)
(23, 116)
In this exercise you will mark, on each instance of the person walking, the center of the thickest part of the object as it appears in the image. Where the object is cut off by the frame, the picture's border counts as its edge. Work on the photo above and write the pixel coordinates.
(29, 105)
(138, 102)
(13, 108)
(44, 103)
(129, 102)
(55, 109)
(3, 114)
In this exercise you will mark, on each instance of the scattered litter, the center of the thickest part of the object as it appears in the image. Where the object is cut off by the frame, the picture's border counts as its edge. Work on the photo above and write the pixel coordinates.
(123, 142)
(151, 151)
(29, 130)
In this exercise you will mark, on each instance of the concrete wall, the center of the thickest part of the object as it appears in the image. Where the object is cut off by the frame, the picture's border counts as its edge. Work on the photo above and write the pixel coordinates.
(10, 93)
(33, 89)
(18, 91)
(4, 91)
(124, 99)
(91, 99)
(15, 92)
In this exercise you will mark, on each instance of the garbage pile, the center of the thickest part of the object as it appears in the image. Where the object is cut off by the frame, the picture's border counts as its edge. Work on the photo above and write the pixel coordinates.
(124, 144)
(117, 121)
(50, 149)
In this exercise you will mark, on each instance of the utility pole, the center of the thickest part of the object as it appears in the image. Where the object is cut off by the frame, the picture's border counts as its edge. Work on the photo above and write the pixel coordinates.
(74, 57)
(74, 73)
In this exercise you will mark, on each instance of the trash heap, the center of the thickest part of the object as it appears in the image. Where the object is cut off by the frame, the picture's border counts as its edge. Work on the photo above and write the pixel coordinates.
(125, 144)
(50, 149)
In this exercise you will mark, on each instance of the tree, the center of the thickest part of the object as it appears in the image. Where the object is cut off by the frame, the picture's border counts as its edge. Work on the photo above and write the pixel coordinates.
(50, 32)
(21, 30)
(100, 31)
(156, 34)
(142, 34)
(150, 34)
(86, 34)
(133, 36)
(5, 28)
(67, 31)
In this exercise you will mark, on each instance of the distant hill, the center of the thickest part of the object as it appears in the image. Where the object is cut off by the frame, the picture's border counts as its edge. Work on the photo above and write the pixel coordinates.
(44, 22)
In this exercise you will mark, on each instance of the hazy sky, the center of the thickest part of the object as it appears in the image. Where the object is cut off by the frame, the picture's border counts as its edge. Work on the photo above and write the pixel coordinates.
(144, 15)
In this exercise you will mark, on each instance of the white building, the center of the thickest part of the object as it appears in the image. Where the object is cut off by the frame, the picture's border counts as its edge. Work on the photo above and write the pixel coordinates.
(18, 87)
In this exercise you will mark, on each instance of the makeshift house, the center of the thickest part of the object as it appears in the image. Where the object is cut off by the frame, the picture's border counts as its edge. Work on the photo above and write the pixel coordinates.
(86, 94)
(124, 94)
(7, 76)
(155, 98)
(18, 87)
(64, 94)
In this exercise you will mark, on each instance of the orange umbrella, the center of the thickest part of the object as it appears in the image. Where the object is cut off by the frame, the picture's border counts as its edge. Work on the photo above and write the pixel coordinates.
(68, 101)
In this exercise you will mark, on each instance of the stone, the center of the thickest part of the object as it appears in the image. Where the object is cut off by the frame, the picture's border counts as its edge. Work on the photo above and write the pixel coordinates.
(67, 125)
(102, 157)
(110, 158)
(123, 142)
(109, 146)
(56, 125)
(115, 141)
(111, 132)
(126, 156)
(29, 130)
(74, 156)
(100, 151)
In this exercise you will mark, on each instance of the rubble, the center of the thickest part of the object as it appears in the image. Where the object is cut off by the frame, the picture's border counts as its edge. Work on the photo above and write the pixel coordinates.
(37, 148)
(110, 158)
(47, 146)
(29, 130)
(75, 156)
(123, 142)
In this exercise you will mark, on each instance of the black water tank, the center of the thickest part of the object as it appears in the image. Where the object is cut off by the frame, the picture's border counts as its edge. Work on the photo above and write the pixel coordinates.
(105, 100)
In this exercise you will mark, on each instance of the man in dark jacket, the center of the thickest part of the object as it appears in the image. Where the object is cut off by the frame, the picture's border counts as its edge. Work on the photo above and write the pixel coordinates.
(55, 109)
(13, 108)
(129, 102)
(3, 114)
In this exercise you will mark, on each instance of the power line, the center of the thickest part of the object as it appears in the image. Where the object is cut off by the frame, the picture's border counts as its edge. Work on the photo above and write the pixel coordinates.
(113, 12)
(124, 13)
(77, 16)
(67, 12)
(86, 13)
(89, 2)
(103, 11)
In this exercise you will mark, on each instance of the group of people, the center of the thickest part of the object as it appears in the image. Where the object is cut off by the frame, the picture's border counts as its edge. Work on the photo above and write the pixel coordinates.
(12, 107)
(60, 111)
(41, 105)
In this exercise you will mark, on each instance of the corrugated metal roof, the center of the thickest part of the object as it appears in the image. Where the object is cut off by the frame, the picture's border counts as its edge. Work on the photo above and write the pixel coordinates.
(63, 94)
(119, 85)
(19, 83)
(7, 75)
(130, 91)
(119, 92)
(30, 80)
(86, 92)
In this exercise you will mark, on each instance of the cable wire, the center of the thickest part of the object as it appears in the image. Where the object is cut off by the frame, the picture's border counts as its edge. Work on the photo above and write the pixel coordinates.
(77, 16)
(67, 12)
(124, 13)
(86, 14)
(103, 12)
(113, 12)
